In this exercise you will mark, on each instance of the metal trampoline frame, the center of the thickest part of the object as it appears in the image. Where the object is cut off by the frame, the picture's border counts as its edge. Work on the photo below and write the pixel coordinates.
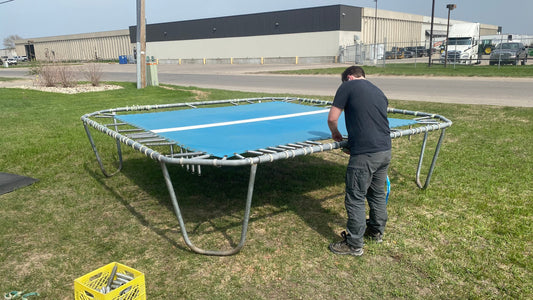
(143, 141)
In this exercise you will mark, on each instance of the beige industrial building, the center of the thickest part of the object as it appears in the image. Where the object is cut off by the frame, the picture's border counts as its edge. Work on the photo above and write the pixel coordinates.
(106, 45)
(317, 34)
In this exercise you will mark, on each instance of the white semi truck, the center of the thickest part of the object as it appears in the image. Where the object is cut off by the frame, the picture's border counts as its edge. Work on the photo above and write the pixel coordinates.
(463, 43)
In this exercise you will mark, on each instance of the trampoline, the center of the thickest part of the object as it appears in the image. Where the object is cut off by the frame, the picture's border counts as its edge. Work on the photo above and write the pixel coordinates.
(238, 132)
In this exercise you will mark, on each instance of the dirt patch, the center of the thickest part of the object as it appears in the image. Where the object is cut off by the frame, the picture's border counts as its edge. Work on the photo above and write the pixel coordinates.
(200, 95)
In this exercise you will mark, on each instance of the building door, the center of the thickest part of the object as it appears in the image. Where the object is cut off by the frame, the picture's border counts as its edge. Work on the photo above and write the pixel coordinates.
(30, 51)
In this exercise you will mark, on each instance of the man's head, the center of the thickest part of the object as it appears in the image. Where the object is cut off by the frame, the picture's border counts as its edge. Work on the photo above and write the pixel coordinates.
(353, 72)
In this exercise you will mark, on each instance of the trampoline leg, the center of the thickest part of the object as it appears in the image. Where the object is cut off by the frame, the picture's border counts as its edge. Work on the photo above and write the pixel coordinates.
(93, 145)
(246, 217)
(432, 166)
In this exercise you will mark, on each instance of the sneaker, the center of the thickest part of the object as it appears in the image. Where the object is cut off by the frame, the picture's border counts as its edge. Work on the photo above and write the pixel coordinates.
(376, 237)
(344, 248)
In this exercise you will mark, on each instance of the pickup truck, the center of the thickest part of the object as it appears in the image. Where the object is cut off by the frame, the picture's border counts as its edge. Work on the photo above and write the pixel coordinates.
(395, 53)
(508, 53)
(419, 51)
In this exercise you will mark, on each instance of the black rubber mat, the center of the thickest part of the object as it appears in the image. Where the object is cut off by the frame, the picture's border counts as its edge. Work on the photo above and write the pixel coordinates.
(11, 182)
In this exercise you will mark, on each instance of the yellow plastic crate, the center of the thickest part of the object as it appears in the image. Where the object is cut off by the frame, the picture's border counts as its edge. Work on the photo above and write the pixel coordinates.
(88, 286)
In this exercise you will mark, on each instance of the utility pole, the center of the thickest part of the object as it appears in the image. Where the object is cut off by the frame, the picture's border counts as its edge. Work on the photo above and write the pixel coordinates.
(141, 45)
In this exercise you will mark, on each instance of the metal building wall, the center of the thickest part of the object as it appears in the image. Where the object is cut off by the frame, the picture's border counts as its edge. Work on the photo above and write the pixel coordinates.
(310, 44)
(394, 28)
(107, 45)
(403, 30)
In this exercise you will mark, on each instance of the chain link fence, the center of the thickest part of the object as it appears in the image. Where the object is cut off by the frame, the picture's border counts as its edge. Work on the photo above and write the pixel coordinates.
(393, 52)
(419, 51)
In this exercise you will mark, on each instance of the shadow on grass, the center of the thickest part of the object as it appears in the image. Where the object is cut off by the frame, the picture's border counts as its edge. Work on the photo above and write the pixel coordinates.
(214, 201)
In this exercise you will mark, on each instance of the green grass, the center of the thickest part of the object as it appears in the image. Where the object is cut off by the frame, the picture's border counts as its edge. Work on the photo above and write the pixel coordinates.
(469, 236)
(421, 69)
(8, 78)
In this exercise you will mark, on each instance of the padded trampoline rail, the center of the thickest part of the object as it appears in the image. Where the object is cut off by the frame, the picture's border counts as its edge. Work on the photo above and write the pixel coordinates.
(144, 141)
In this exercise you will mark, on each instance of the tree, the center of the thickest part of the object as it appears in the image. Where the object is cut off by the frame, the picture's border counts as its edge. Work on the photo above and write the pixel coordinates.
(9, 42)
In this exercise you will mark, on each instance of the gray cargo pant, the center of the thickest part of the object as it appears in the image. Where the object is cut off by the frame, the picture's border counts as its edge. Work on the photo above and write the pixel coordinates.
(366, 177)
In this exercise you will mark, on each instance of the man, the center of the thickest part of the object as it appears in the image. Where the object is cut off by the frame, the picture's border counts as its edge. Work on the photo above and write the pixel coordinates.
(369, 145)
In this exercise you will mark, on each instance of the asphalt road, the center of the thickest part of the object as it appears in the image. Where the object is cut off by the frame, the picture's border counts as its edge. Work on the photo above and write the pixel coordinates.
(253, 78)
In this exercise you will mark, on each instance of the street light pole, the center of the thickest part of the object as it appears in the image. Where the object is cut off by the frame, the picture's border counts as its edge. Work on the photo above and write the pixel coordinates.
(376, 34)
(450, 7)
(430, 54)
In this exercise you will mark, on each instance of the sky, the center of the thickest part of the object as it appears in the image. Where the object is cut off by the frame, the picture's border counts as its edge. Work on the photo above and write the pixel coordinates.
(43, 18)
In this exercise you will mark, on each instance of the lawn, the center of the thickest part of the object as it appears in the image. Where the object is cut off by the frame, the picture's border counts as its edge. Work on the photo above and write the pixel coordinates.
(421, 69)
(469, 235)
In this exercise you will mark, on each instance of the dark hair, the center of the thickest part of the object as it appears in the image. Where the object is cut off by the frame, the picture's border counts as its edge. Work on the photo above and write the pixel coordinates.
(353, 70)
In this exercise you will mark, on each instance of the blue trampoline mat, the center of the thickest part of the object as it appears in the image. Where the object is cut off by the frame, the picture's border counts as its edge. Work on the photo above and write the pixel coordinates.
(225, 131)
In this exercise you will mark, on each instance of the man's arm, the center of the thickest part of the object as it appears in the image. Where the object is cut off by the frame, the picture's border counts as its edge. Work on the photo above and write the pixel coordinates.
(333, 120)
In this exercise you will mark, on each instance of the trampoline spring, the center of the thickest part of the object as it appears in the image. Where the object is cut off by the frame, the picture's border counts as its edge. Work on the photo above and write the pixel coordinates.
(187, 154)
(254, 152)
(239, 156)
(124, 276)
(295, 145)
(286, 147)
(313, 142)
(160, 144)
(303, 144)
(137, 134)
(120, 280)
(140, 135)
(149, 140)
(130, 130)
(427, 121)
(266, 151)
(115, 124)
(276, 149)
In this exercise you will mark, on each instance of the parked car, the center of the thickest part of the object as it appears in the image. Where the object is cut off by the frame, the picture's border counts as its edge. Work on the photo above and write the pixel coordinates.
(11, 61)
(508, 53)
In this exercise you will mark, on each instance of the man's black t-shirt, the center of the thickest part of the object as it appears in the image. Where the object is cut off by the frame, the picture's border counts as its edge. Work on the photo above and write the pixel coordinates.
(365, 112)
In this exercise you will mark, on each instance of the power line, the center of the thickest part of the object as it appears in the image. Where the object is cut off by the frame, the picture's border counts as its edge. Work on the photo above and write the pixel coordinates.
(6, 1)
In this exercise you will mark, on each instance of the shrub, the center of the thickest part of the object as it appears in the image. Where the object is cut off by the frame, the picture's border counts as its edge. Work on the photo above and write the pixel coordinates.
(48, 75)
(93, 73)
(57, 74)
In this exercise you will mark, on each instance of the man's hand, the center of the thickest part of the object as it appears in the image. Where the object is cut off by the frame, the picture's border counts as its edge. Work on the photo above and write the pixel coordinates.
(336, 136)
